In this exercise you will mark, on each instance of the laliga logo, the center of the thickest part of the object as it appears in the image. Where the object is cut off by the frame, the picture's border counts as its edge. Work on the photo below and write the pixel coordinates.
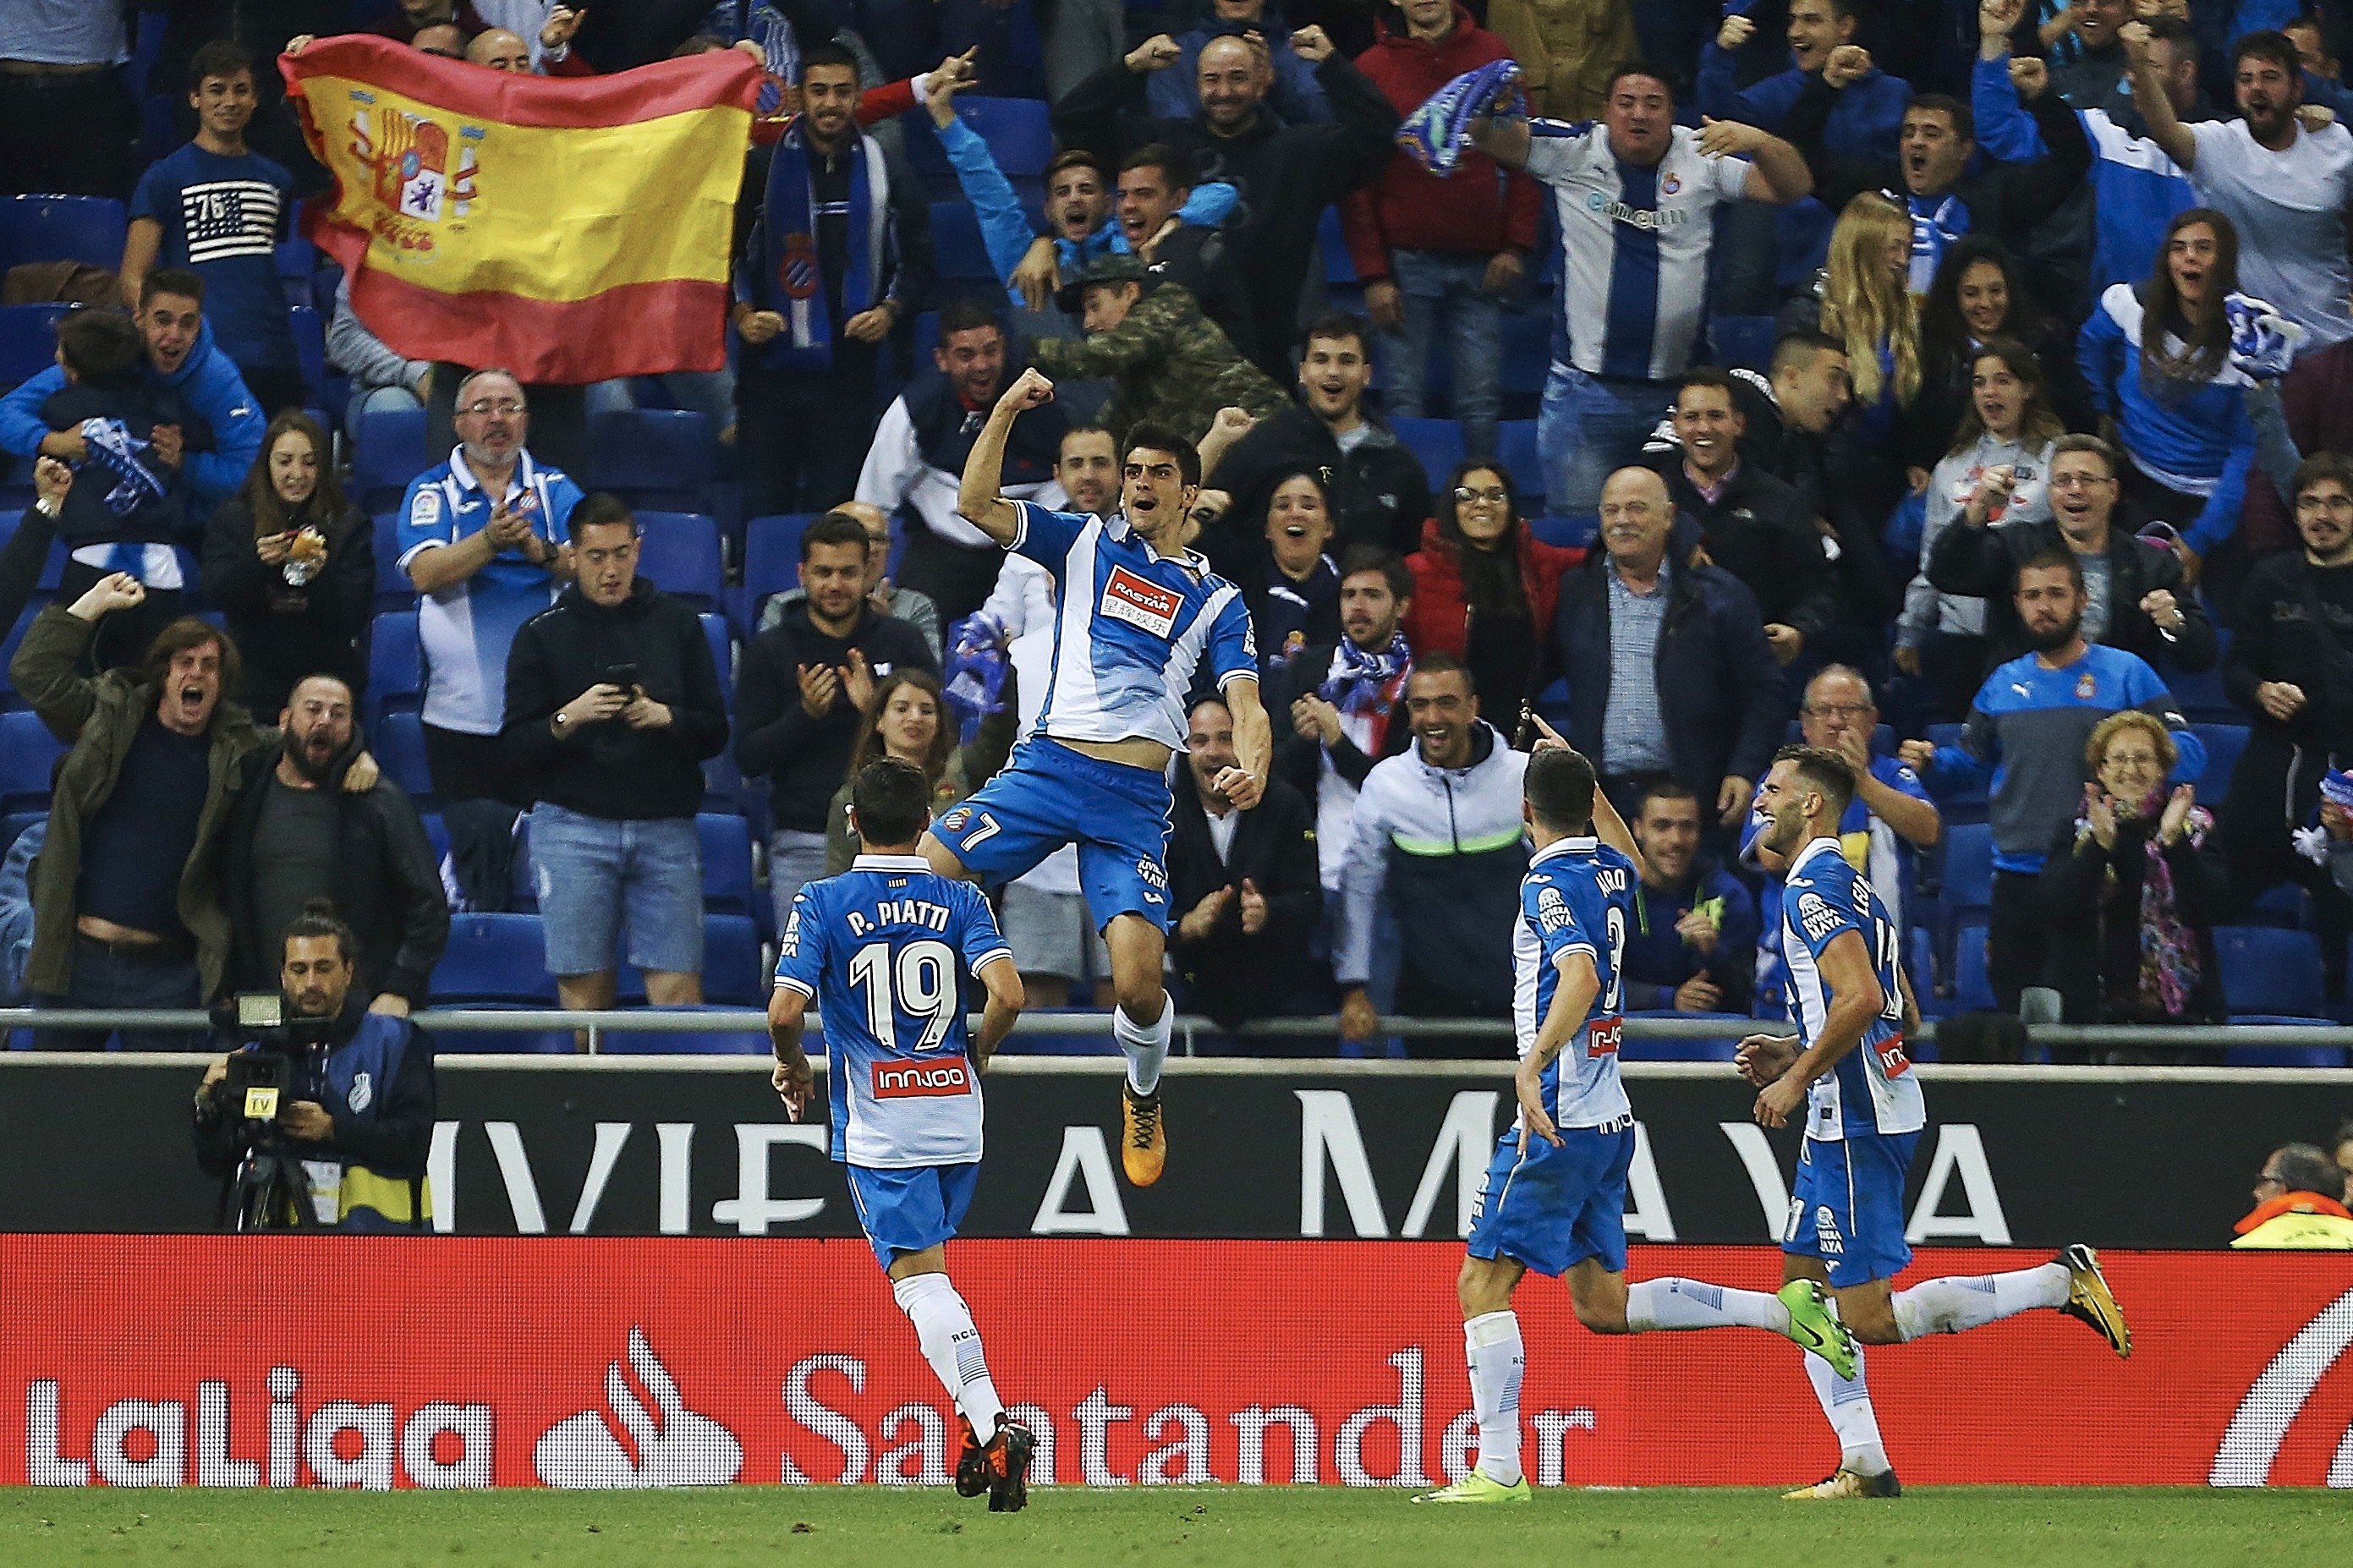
(684, 1449)
(2260, 1423)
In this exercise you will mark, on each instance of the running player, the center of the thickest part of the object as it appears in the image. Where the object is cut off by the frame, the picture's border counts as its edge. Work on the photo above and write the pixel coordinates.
(1137, 612)
(1851, 1004)
(1555, 1200)
(881, 949)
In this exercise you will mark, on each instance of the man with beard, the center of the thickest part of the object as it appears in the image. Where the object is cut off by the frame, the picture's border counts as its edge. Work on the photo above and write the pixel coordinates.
(1694, 945)
(2285, 187)
(296, 836)
(887, 597)
(919, 452)
(2026, 728)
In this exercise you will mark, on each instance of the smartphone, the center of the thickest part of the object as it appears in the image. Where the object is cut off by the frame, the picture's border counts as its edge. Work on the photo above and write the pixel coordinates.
(624, 676)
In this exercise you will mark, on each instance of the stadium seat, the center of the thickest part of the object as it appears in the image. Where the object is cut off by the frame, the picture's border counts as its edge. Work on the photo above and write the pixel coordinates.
(722, 639)
(388, 452)
(962, 254)
(1577, 532)
(395, 671)
(1515, 446)
(494, 958)
(1972, 988)
(27, 753)
(2223, 743)
(310, 352)
(1020, 134)
(2269, 973)
(679, 551)
(731, 972)
(2260, 1056)
(394, 591)
(29, 341)
(1339, 267)
(2286, 905)
(652, 457)
(1437, 442)
(772, 561)
(61, 229)
(1969, 867)
(400, 747)
(1742, 341)
(2200, 693)
(726, 844)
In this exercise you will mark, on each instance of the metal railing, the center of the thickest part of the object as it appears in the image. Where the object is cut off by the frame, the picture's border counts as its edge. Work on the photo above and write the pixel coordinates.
(1189, 1028)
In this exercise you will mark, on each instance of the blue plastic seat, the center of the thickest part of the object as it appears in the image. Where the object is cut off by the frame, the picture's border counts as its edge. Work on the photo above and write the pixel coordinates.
(494, 958)
(28, 754)
(2270, 971)
(2223, 743)
(732, 972)
(962, 255)
(1515, 446)
(394, 591)
(62, 229)
(1972, 987)
(28, 340)
(395, 669)
(1018, 131)
(400, 747)
(387, 453)
(1577, 532)
(726, 846)
(1746, 342)
(1969, 867)
(696, 1043)
(1339, 267)
(772, 561)
(310, 351)
(2281, 1056)
(652, 457)
(1437, 442)
(721, 637)
(679, 551)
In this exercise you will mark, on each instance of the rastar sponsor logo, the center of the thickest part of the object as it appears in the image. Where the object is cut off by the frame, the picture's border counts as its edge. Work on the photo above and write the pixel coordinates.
(919, 1080)
(1140, 603)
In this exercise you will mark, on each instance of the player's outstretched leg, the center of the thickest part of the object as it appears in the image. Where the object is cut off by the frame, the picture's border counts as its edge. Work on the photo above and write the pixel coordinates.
(1798, 1312)
(1491, 1339)
(2070, 1283)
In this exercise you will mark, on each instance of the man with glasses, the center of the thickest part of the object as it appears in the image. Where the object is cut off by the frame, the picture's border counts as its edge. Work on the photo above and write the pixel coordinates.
(1889, 819)
(484, 537)
(2138, 601)
(2298, 1205)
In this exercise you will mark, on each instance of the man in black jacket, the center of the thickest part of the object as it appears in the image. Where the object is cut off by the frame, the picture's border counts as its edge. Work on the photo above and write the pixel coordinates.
(1752, 524)
(296, 836)
(1154, 184)
(2139, 602)
(612, 705)
(1243, 884)
(1374, 487)
(805, 684)
(1285, 175)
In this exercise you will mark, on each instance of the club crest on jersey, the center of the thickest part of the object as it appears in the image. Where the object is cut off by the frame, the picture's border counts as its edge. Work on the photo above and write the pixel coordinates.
(955, 820)
(1552, 910)
(2086, 688)
(1826, 1232)
(789, 944)
(1141, 603)
(921, 1080)
(1816, 916)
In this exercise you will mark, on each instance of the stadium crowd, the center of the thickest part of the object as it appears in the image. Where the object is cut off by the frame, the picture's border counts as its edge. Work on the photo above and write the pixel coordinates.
(1962, 387)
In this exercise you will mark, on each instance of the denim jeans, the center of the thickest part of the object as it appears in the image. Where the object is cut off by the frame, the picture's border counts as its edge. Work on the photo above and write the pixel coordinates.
(109, 977)
(1589, 428)
(1436, 284)
(795, 861)
(596, 874)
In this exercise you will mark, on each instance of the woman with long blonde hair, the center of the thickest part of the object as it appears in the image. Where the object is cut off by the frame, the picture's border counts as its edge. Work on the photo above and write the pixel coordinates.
(1867, 304)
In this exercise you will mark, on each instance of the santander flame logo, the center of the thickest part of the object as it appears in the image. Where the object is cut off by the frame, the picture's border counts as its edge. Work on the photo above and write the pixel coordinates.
(2278, 1396)
(669, 1446)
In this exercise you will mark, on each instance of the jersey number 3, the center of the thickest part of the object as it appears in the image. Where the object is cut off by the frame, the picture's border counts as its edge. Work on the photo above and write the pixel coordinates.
(922, 984)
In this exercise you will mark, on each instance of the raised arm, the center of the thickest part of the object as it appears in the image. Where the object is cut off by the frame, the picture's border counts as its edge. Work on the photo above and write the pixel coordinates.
(979, 501)
(1777, 171)
(2165, 127)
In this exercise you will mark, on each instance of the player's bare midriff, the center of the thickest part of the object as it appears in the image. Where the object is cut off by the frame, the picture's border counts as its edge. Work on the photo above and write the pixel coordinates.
(1134, 752)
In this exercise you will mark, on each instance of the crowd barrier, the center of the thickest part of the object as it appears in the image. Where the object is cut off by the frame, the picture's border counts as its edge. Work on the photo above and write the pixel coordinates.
(379, 1363)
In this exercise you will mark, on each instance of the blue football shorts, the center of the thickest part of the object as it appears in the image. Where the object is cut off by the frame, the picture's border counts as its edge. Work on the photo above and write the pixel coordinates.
(1552, 1208)
(910, 1208)
(1050, 795)
(1847, 1207)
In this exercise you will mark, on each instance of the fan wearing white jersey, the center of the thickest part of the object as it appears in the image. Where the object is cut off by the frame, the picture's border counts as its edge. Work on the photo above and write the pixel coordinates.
(1851, 1004)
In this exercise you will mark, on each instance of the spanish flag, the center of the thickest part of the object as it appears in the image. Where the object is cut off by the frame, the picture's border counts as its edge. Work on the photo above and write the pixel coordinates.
(571, 230)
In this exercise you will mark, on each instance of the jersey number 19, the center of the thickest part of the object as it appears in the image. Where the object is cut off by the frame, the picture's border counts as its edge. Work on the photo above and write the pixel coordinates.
(922, 984)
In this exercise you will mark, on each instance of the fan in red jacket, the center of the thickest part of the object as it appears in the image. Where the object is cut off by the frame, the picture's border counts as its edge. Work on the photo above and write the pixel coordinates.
(1485, 587)
(1429, 246)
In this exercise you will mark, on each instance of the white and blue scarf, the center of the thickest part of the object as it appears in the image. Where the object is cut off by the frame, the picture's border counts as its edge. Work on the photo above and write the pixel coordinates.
(793, 277)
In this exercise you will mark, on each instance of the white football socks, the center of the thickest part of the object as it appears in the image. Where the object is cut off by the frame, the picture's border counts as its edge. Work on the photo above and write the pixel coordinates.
(1846, 1401)
(1147, 1045)
(944, 1330)
(1671, 1303)
(1491, 1341)
(1950, 1306)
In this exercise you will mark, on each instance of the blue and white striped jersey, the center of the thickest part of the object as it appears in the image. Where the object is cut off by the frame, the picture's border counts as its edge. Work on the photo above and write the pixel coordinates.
(1130, 627)
(1872, 1088)
(1577, 896)
(1634, 244)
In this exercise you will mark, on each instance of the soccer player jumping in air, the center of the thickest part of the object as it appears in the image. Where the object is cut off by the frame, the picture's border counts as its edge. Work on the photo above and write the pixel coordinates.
(1137, 613)
(882, 948)
(1851, 1004)
(1555, 1199)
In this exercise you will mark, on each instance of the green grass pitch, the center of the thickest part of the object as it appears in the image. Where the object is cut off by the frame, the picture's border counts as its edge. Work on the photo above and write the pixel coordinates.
(875, 1527)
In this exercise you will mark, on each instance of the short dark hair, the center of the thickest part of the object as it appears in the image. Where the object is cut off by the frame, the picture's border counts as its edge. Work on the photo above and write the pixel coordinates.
(1075, 158)
(1064, 442)
(2052, 559)
(1154, 436)
(602, 510)
(1440, 662)
(2320, 466)
(171, 280)
(99, 345)
(2080, 442)
(2306, 1168)
(176, 639)
(964, 314)
(833, 528)
(1824, 769)
(1559, 784)
(1175, 166)
(892, 801)
(1381, 559)
(828, 53)
(2174, 30)
(219, 59)
(1663, 786)
(2272, 46)
(1341, 324)
(318, 919)
(1965, 123)
(1638, 68)
(1710, 376)
(1801, 347)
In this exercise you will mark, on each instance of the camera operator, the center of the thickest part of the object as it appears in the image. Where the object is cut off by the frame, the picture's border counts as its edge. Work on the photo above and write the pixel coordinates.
(356, 1099)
